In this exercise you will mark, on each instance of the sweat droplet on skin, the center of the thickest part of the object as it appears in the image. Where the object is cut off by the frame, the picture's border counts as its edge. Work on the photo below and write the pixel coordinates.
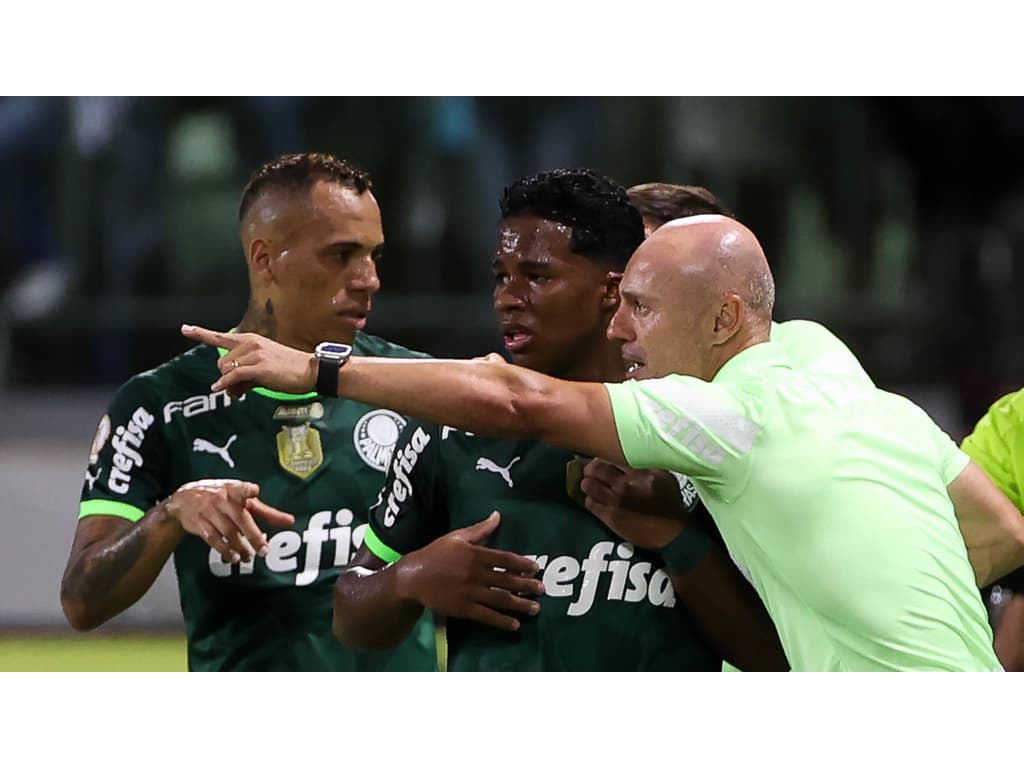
(509, 240)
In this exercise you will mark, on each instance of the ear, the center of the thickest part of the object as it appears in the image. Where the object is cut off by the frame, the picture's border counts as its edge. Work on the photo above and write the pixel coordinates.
(259, 260)
(729, 319)
(610, 297)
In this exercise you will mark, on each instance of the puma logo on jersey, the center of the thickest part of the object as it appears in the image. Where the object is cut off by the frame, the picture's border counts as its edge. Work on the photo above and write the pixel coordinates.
(91, 479)
(484, 463)
(199, 445)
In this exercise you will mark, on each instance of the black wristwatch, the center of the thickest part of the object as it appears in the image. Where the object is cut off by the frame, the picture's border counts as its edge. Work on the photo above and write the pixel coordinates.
(330, 357)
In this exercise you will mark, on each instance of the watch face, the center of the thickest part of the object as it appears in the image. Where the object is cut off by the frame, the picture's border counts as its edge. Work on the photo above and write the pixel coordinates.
(331, 348)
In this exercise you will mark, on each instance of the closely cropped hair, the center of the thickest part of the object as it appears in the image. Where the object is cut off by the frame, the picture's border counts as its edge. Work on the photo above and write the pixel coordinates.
(662, 203)
(296, 174)
(604, 223)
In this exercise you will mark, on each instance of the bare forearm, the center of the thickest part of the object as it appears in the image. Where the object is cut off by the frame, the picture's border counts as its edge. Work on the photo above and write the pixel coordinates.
(730, 614)
(992, 527)
(467, 394)
(108, 575)
(490, 398)
(369, 611)
(1009, 636)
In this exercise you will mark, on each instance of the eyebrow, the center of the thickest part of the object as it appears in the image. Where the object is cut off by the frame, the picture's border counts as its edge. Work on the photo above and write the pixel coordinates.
(525, 264)
(351, 244)
(626, 293)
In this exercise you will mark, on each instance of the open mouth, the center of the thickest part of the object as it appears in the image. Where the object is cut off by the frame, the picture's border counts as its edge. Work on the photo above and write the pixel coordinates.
(517, 339)
(634, 369)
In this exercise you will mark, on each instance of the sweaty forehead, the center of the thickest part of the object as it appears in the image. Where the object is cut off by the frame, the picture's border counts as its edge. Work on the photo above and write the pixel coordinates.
(642, 275)
(337, 201)
(533, 237)
(334, 212)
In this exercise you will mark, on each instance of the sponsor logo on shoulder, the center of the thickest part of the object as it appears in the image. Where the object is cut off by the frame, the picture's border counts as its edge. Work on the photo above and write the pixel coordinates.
(126, 443)
(402, 466)
(375, 436)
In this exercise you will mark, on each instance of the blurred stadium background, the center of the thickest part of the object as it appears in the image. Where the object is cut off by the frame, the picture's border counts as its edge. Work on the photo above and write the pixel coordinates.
(896, 221)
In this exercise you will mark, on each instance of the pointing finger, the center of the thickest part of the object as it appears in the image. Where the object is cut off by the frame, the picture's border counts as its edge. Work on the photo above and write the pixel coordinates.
(206, 336)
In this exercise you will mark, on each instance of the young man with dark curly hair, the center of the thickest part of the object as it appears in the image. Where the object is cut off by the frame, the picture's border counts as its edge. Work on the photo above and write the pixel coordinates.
(503, 537)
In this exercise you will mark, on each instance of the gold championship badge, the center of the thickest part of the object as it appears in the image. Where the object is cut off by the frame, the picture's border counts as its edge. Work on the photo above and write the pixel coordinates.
(299, 450)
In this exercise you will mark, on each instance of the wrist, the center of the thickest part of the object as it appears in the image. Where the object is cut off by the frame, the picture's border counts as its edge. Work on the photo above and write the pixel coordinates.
(405, 573)
(312, 371)
(329, 357)
(167, 518)
(686, 551)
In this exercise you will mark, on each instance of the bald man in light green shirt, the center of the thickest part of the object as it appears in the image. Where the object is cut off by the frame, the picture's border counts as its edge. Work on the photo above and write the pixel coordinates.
(847, 504)
(832, 495)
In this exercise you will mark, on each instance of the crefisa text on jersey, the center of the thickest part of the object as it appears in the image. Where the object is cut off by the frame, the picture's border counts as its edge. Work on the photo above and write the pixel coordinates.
(324, 529)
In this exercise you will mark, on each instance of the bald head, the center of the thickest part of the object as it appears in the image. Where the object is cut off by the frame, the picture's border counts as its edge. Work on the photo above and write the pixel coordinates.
(724, 254)
(696, 293)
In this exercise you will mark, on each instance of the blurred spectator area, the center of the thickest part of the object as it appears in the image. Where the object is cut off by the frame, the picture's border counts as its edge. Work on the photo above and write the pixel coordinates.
(895, 221)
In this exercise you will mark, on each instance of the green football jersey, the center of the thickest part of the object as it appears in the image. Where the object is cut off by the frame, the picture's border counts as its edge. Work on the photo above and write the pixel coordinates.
(322, 460)
(607, 605)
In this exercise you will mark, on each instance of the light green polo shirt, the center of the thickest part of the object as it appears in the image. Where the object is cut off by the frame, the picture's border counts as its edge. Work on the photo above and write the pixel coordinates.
(832, 494)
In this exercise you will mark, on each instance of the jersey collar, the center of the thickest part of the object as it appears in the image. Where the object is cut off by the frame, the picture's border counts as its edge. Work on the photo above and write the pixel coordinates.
(767, 354)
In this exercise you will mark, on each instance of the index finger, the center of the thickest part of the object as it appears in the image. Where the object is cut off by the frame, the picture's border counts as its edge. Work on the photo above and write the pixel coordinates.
(509, 561)
(206, 336)
(270, 514)
(240, 490)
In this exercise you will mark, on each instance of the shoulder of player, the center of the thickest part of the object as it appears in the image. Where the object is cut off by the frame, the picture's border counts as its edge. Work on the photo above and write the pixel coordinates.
(374, 346)
(1005, 417)
(193, 369)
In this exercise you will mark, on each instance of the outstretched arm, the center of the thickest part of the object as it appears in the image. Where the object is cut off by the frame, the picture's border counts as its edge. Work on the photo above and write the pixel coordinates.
(490, 398)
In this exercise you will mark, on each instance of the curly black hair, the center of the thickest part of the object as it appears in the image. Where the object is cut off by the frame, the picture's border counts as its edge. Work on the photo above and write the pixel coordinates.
(297, 173)
(605, 225)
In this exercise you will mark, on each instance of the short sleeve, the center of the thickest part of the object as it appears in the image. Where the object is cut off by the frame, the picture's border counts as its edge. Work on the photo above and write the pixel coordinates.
(126, 472)
(952, 460)
(699, 428)
(410, 511)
